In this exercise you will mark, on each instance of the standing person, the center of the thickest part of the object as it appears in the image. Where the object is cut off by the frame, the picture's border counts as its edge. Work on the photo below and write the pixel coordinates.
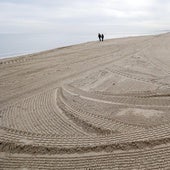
(102, 36)
(99, 36)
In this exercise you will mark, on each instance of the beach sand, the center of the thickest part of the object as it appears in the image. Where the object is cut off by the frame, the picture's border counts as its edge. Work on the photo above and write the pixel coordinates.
(97, 105)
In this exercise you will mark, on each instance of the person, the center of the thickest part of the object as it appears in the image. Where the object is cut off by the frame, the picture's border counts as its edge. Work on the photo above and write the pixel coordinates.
(102, 36)
(99, 36)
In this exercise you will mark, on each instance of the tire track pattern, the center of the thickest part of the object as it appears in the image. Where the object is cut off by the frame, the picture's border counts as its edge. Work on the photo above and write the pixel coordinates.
(78, 126)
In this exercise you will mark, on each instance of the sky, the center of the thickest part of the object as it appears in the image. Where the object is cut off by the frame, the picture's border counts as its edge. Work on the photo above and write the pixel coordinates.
(84, 17)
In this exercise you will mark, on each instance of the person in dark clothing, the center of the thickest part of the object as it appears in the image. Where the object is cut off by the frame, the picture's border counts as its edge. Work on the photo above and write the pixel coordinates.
(102, 36)
(99, 36)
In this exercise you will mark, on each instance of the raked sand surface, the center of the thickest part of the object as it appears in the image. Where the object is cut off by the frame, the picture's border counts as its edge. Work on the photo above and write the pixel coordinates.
(97, 105)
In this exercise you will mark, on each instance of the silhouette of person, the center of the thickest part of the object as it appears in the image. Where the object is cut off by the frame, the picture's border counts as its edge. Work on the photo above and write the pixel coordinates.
(99, 36)
(102, 36)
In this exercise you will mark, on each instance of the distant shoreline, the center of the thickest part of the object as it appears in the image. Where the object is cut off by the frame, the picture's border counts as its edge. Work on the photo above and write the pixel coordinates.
(29, 53)
(37, 52)
(6, 56)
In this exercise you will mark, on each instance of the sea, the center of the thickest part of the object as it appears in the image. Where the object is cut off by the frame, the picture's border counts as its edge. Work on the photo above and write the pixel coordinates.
(17, 44)
(20, 44)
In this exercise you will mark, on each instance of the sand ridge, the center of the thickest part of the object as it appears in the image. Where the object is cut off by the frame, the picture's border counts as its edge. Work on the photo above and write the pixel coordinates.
(89, 106)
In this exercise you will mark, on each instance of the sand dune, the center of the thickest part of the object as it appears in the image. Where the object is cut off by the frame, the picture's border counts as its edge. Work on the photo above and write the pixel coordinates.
(89, 106)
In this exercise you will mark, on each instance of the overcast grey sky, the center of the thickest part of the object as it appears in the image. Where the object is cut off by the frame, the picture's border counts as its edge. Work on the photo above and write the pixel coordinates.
(84, 17)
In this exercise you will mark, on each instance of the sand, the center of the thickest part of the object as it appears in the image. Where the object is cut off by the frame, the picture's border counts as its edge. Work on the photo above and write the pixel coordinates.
(97, 105)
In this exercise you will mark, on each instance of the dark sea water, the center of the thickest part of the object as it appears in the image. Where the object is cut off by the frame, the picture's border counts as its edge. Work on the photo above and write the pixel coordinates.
(19, 44)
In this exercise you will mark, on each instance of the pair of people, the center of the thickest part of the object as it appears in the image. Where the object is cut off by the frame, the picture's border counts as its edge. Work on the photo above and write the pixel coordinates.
(101, 37)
